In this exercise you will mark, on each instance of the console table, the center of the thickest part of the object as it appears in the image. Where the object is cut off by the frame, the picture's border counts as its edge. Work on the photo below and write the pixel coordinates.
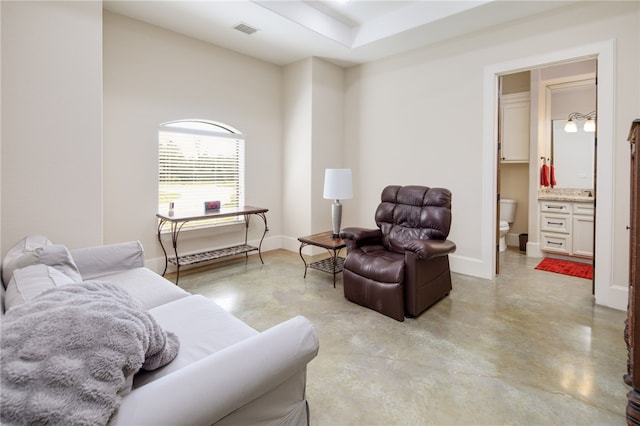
(333, 264)
(177, 221)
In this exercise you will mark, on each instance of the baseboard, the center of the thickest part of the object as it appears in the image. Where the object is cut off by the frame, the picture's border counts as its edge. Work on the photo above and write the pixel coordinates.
(533, 250)
(568, 258)
(468, 266)
(459, 264)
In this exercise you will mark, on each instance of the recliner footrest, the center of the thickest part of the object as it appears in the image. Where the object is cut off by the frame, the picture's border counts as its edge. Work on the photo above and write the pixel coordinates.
(385, 298)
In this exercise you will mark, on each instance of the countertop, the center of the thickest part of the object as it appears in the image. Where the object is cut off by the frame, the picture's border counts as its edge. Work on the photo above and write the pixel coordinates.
(566, 194)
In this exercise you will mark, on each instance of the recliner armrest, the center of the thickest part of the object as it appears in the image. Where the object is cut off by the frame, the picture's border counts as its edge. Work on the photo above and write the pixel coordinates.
(427, 249)
(356, 237)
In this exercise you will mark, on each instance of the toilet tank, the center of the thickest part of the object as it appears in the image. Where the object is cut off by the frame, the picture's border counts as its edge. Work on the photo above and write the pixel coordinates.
(507, 210)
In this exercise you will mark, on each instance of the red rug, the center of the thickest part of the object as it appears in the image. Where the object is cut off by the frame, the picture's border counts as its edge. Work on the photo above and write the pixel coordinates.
(581, 270)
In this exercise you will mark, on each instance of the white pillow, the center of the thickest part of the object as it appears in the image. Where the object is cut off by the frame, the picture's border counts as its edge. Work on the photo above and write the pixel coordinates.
(55, 255)
(59, 257)
(29, 282)
(27, 245)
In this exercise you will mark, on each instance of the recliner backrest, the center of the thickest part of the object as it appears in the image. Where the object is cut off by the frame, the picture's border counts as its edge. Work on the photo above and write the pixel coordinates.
(413, 212)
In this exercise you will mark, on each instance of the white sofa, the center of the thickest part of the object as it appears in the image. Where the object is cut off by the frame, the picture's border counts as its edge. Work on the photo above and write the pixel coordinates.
(225, 373)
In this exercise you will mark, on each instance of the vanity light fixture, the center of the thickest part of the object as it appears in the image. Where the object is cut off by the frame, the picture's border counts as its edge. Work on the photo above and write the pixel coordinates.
(589, 125)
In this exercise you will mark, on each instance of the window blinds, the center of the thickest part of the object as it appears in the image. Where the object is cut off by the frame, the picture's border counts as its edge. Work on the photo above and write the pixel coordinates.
(196, 166)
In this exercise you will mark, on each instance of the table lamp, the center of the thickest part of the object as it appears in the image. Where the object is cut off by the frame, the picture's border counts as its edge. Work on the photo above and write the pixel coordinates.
(337, 186)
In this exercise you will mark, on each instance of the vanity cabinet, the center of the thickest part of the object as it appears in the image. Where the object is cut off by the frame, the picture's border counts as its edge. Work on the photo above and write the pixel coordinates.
(514, 127)
(567, 228)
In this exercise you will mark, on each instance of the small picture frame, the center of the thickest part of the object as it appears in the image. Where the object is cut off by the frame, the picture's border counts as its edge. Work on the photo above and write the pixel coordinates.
(211, 206)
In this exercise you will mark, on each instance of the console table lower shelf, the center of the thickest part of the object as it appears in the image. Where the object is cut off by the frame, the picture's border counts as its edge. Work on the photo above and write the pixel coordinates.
(205, 256)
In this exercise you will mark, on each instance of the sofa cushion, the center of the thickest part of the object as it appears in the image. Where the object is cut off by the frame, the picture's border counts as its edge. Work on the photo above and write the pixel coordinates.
(37, 250)
(29, 282)
(202, 327)
(148, 287)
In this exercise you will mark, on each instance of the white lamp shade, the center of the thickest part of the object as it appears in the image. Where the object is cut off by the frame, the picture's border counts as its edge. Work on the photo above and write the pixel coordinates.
(590, 125)
(337, 184)
(570, 127)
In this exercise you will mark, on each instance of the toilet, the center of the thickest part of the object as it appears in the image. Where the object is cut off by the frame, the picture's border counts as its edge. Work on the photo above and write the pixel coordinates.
(507, 216)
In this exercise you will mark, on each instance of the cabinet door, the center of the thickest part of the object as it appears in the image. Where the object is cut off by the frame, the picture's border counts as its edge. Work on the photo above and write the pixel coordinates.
(515, 128)
(583, 236)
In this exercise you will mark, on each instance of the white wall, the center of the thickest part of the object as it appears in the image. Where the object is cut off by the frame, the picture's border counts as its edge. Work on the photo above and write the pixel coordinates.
(152, 76)
(328, 144)
(52, 121)
(1, 250)
(417, 117)
(296, 152)
(313, 117)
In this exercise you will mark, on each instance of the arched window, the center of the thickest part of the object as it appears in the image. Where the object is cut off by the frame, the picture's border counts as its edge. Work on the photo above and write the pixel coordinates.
(198, 161)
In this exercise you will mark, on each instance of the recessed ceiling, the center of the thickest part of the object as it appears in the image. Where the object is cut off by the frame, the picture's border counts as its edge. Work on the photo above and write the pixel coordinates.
(344, 32)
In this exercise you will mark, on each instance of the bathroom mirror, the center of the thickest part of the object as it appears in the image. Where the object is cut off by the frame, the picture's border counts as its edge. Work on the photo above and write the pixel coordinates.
(572, 156)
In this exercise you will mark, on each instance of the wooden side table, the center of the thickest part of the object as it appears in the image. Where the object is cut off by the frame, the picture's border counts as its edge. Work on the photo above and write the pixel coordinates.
(334, 264)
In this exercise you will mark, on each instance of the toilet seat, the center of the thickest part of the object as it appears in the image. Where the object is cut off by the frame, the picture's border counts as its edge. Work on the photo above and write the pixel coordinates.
(504, 224)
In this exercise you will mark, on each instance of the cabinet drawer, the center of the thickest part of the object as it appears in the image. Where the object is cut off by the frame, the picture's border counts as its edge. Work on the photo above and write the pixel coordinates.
(555, 207)
(555, 223)
(558, 243)
(583, 208)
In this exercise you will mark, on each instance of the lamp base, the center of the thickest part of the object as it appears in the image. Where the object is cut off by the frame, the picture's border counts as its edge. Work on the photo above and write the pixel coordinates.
(336, 218)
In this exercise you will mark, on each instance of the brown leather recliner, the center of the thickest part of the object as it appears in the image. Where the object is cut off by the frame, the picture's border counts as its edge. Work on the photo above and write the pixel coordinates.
(401, 268)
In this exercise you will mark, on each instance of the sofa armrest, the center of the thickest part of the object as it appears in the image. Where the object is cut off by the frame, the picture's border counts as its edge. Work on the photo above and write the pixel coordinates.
(427, 249)
(211, 388)
(94, 262)
(357, 237)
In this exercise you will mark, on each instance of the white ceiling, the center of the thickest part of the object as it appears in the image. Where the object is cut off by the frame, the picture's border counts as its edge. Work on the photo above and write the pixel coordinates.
(346, 32)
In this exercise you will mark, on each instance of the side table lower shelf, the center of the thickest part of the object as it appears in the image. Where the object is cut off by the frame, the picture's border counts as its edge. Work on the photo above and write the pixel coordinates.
(326, 265)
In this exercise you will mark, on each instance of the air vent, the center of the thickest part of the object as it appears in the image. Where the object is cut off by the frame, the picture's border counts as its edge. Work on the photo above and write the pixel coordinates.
(245, 28)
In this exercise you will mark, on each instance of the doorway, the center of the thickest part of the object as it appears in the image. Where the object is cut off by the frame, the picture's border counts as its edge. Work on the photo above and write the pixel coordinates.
(606, 292)
(530, 161)
(515, 120)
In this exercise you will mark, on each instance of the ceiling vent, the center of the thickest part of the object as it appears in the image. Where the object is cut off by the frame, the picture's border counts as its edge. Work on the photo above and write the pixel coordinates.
(245, 28)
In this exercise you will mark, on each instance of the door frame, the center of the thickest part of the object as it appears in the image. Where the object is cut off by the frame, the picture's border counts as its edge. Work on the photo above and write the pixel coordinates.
(606, 292)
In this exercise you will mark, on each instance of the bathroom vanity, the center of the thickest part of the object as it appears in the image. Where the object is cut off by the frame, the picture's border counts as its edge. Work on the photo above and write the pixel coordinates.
(566, 222)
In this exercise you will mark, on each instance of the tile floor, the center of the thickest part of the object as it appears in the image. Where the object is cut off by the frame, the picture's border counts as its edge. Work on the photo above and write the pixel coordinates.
(527, 348)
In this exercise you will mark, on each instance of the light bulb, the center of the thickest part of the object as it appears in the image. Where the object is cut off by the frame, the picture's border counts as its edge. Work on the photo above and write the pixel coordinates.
(590, 125)
(570, 127)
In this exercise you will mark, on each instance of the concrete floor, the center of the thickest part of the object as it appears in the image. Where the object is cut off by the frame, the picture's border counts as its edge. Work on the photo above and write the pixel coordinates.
(528, 348)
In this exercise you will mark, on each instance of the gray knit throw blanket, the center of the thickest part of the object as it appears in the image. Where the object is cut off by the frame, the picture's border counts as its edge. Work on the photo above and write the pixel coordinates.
(66, 355)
